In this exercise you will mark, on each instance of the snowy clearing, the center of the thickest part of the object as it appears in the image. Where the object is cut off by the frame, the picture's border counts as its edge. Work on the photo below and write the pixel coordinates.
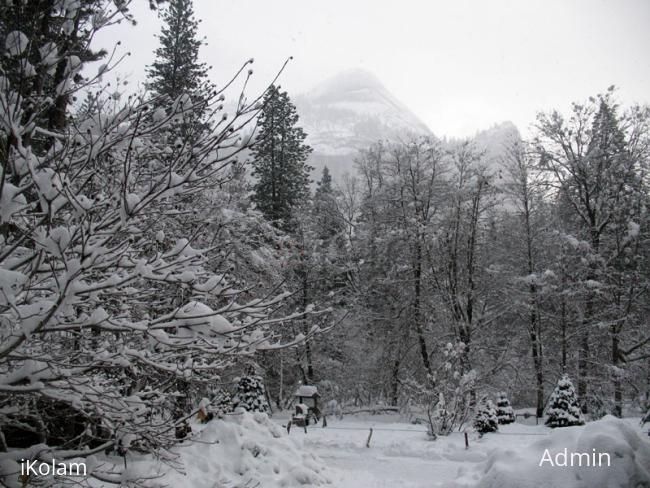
(401, 455)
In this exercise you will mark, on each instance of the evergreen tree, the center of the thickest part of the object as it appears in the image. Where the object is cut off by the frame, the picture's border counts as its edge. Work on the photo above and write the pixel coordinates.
(250, 394)
(279, 159)
(324, 186)
(563, 410)
(54, 47)
(222, 403)
(505, 414)
(486, 417)
(328, 224)
(177, 70)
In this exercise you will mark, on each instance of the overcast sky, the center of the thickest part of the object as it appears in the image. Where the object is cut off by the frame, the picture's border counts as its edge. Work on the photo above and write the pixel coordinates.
(459, 65)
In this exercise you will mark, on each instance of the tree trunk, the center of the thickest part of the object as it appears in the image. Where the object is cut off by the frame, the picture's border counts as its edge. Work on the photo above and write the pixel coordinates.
(538, 362)
(394, 394)
(305, 302)
(583, 354)
(618, 392)
(417, 312)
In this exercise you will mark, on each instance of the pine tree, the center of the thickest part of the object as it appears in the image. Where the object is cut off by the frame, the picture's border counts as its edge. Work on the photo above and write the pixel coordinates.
(328, 224)
(279, 159)
(563, 410)
(324, 186)
(177, 70)
(250, 394)
(222, 403)
(54, 38)
(505, 414)
(486, 417)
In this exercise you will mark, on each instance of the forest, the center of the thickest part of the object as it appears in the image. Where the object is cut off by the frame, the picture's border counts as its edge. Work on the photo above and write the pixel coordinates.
(171, 254)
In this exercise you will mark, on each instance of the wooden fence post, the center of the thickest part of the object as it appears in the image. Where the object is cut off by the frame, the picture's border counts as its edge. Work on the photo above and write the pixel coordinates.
(466, 441)
(369, 437)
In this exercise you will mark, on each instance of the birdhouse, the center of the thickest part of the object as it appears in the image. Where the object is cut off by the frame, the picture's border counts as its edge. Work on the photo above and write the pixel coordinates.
(307, 396)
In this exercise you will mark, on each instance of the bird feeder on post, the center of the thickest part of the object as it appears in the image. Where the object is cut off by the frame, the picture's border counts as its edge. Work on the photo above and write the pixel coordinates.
(307, 401)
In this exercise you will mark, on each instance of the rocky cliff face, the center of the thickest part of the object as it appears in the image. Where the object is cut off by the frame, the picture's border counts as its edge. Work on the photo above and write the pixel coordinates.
(352, 110)
(349, 112)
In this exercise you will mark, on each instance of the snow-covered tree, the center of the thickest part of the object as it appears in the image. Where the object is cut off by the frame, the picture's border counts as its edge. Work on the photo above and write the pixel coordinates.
(279, 158)
(505, 413)
(327, 218)
(524, 252)
(103, 314)
(251, 394)
(596, 159)
(221, 404)
(563, 409)
(176, 70)
(446, 393)
(485, 419)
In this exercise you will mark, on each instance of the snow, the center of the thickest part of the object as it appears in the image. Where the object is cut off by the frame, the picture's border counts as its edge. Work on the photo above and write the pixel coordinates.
(633, 229)
(507, 467)
(243, 449)
(10, 284)
(11, 202)
(401, 455)
(16, 43)
(306, 391)
(200, 318)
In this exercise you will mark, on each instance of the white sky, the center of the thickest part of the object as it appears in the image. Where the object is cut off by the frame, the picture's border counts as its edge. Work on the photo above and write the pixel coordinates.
(460, 65)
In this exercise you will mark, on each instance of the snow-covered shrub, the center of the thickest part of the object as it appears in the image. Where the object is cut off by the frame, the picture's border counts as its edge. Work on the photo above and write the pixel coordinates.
(505, 413)
(250, 394)
(563, 408)
(485, 419)
(446, 395)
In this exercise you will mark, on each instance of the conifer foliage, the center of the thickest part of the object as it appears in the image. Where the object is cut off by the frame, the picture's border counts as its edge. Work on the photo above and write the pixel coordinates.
(279, 159)
(222, 403)
(251, 395)
(505, 414)
(486, 417)
(563, 409)
(177, 70)
(326, 216)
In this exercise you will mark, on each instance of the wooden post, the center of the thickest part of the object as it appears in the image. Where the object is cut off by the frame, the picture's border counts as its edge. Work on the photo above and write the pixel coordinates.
(466, 441)
(324, 421)
(289, 427)
(369, 437)
(305, 425)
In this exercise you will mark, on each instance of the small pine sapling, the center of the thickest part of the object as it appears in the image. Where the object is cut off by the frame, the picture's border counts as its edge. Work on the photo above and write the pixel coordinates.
(250, 394)
(222, 404)
(486, 417)
(505, 413)
(563, 409)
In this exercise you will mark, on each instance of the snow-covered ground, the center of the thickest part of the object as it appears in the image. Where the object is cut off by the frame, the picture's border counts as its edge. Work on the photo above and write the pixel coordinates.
(401, 456)
(251, 450)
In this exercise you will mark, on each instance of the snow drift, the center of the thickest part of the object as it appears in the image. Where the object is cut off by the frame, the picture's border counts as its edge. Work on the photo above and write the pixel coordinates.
(629, 454)
(243, 450)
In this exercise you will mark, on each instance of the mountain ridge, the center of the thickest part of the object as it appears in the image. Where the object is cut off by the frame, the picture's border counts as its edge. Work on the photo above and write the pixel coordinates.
(347, 113)
(352, 110)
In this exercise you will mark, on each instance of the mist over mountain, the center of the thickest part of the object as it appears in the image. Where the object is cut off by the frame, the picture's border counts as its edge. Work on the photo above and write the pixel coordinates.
(494, 143)
(349, 112)
(353, 109)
